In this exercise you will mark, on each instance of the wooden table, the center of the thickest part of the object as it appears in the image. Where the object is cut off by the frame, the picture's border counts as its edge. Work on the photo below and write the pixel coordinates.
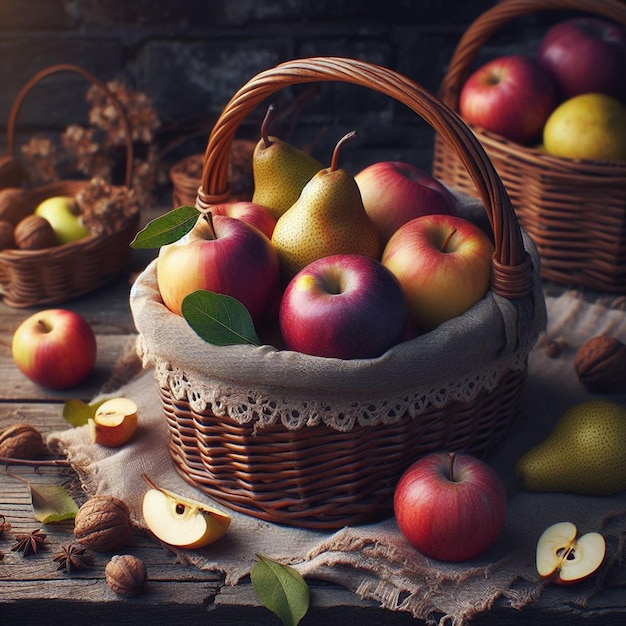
(33, 591)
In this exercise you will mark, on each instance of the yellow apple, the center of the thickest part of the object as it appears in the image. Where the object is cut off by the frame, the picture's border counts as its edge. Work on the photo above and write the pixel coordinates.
(62, 213)
(114, 422)
(180, 521)
(589, 126)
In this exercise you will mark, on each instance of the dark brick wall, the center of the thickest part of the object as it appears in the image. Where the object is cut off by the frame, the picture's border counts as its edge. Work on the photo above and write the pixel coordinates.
(192, 55)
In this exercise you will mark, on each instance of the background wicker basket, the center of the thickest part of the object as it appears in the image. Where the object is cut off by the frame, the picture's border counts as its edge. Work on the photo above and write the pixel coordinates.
(574, 210)
(320, 476)
(53, 275)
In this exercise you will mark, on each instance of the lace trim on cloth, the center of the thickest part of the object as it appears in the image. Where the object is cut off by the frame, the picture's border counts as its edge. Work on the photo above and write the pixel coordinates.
(271, 406)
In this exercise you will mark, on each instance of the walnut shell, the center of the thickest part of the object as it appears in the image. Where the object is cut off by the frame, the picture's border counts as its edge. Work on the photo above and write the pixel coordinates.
(21, 441)
(13, 205)
(34, 233)
(600, 364)
(103, 524)
(126, 574)
(7, 241)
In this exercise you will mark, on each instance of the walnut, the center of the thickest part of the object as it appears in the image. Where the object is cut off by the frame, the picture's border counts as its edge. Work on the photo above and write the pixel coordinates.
(126, 574)
(7, 241)
(13, 205)
(34, 233)
(21, 441)
(600, 364)
(103, 524)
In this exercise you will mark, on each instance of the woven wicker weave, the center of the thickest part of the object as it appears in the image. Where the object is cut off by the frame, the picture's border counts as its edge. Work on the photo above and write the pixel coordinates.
(318, 476)
(53, 275)
(574, 210)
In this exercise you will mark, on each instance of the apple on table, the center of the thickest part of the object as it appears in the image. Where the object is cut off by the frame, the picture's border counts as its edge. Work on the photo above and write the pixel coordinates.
(395, 192)
(55, 348)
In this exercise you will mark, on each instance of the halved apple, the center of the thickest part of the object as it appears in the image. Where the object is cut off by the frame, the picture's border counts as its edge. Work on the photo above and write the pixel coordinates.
(565, 558)
(180, 521)
(114, 422)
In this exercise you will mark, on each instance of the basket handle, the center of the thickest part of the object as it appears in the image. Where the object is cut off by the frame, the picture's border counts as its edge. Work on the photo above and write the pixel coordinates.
(68, 67)
(487, 24)
(512, 272)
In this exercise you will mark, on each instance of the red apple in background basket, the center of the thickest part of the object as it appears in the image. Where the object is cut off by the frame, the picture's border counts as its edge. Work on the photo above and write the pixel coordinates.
(450, 507)
(586, 55)
(343, 306)
(223, 255)
(55, 348)
(249, 212)
(395, 192)
(511, 96)
(443, 263)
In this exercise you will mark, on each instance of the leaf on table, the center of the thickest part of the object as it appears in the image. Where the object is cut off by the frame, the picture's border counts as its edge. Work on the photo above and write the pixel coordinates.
(78, 413)
(281, 589)
(167, 228)
(219, 319)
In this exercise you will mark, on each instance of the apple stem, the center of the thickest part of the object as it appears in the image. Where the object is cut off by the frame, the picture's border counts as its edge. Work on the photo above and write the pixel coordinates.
(44, 326)
(209, 220)
(150, 482)
(451, 459)
(447, 241)
(347, 138)
(269, 116)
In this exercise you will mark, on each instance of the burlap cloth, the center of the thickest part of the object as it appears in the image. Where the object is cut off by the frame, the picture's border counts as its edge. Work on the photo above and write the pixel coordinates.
(374, 560)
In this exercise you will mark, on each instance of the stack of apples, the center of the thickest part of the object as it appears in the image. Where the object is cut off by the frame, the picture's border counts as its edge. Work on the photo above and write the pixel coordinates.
(570, 98)
(343, 266)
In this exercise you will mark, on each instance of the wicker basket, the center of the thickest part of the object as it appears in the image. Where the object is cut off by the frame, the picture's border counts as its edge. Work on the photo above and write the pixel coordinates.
(323, 476)
(575, 210)
(53, 275)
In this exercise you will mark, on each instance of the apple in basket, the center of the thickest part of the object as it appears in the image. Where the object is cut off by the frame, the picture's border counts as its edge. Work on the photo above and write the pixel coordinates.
(395, 192)
(564, 557)
(511, 96)
(450, 506)
(63, 214)
(344, 306)
(223, 255)
(586, 55)
(443, 263)
(250, 212)
(55, 348)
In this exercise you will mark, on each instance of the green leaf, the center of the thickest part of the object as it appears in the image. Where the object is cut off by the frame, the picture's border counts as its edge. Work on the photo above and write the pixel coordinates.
(77, 413)
(219, 319)
(281, 589)
(52, 503)
(167, 228)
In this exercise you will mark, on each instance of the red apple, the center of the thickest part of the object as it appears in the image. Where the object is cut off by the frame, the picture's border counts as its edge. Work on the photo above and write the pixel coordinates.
(511, 96)
(450, 507)
(249, 212)
(223, 255)
(395, 192)
(55, 348)
(586, 55)
(343, 306)
(443, 263)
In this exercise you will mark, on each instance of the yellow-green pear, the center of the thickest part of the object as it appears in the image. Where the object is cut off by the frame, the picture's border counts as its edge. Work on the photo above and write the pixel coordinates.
(584, 454)
(279, 170)
(328, 218)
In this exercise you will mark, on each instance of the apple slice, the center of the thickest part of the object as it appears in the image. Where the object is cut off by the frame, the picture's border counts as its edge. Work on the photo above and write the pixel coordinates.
(180, 521)
(565, 558)
(114, 422)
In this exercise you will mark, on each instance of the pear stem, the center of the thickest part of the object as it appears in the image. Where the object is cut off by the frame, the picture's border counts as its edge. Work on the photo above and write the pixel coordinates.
(347, 138)
(451, 458)
(447, 241)
(269, 116)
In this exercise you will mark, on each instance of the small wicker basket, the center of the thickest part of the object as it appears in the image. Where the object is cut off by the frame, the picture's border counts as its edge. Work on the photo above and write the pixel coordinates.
(317, 474)
(575, 210)
(53, 275)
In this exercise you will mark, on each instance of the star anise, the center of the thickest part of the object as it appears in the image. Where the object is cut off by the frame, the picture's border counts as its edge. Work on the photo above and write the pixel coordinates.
(73, 557)
(4, 525)
(29, 543)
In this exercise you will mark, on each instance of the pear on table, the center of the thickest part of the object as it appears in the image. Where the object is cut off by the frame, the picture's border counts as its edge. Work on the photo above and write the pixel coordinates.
(114, 422)
(564, 557)
(279, 170)
(182, 522)
(328, 218)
